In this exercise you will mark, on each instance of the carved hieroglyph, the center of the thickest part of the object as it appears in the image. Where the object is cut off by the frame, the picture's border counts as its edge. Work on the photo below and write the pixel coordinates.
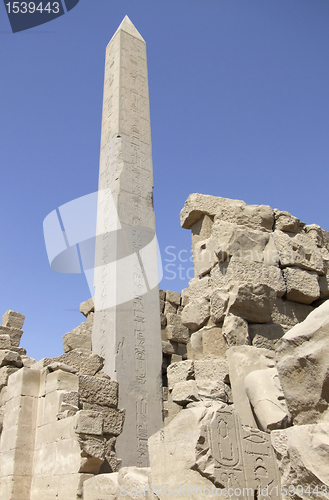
(238, 458)
(127, 330)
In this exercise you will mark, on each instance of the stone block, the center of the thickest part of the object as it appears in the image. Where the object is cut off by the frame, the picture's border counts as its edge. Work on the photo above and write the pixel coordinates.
(89, 422)
(284, 221)
(135, 482)
(98, 391)
(204, 257)
(15, 487)
(298, 250)
(162, 295)
(288, 313)
(170, 308)
(211, 370)
(170, 410)
(265, 335)
(213, 342)
(213, 390)
(175, 330)
(243, 360)
(180, 372)
(302, 285)
(199, 288)
(113, 420)
(62, 381)
(324, 286)
(218, 305)
(13, 319)
(195, 346)
(10, 358)
(15, 334)
(5, 373)
(87, 307)
(103, 486)
(252, 302)
(20, 350)
(79, 338)
(237, 272)
(302, 456)
(235, 331)
(236, 211)
(27, 361)
(196, 314)
(23, 382)
(185, 392)
(5, 342)
(70, 486)
(303, 367)
(173, 297)
(83, 361)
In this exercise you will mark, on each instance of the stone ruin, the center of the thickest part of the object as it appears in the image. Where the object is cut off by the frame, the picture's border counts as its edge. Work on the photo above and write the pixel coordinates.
(245, 370)
(245, 378)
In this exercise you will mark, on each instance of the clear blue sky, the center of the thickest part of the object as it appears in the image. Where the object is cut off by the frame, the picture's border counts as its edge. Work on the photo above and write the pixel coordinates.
(239, 108)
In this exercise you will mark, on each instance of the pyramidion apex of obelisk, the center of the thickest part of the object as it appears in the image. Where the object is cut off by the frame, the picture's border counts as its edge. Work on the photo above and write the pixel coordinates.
(128, 27)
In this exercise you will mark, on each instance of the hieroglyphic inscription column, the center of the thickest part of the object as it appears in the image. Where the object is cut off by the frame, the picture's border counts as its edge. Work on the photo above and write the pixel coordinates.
(126, 329)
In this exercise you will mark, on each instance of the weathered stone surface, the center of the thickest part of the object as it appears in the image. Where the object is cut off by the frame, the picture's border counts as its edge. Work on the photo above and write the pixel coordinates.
(195, 346)
(61, 366)
(284, 221)
(83, 361)
(302, 285)
(302, 455)
(303, 367)
(185, 392)
(5, 372)
(288, 313)
(10, 358)
(180, 372)
(235, 331)
(79, 338)
(213, 342)
(13, 319)
(98, 391)
(244, 243)
(298, 250)
(211, 370)
(170, 308)
(243, 360)
(170, 410)
(196, 313)
(173, 297)
(218, 305)
(265, 335)
(252, 302)
(237, 271)
(324, 286)
(89, 422)
(87, 307)
(175, 330)
(15, 334)
(265, 394)
(236, 211)
(199, 288)
(5, 342)
(162, 295)
(28, 362)
(134, 482)
(204, 257)
(103, 486)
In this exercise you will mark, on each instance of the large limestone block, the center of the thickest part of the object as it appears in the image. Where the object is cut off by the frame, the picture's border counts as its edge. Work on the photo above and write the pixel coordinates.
(266, 335)
(252, 302)
(213, 342)
(113, 419)
(265, 394)
(236, 211)
(211, 376)
(60, 380)
(218, 305)
(199, 288)
(303, 367)
(244, 243)
(196, 314)
(204, 257)
(237, 271)
(79, 338)
(235, 331)
(89, 422)
(195, 346)
(243, 360)
(298, 250)
(12, 487)
(83, 361)
(185, 392)
(302, 285)
(175, 330)
(173, 297)
(134, 482)
(15, 334)
(87, 307)
(284, 221)
(103, 486)
(98, 391)
(24, 382)
(10, 358)
(302, 454)
(13, 319)
(5, 342)
(288, 313)
(180, 372)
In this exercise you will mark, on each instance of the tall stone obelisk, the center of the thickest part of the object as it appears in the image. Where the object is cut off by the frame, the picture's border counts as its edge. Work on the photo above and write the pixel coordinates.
(127, 331)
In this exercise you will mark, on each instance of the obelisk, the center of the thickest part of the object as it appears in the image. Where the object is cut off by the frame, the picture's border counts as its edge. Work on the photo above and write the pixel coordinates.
(127, 331)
